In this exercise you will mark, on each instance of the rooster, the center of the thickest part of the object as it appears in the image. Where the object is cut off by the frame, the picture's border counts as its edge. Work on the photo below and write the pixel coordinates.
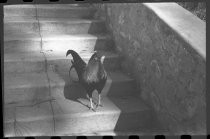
(92, 76)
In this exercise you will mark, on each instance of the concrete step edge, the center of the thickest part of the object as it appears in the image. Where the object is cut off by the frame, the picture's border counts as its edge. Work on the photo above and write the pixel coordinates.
(50, 20)
(37, 56)
(79, 110)
(41, 79)
(9, 37)
(24, 7)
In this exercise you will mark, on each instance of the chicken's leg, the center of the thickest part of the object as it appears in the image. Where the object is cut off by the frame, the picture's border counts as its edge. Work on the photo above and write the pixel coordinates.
(99, 100)
(91, 104)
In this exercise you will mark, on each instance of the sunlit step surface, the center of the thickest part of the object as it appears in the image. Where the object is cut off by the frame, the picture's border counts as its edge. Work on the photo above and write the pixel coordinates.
(49, 11)
(55, 26)
(61, 62)
(59, 43)
(23, 62)
(64, 5)
(74, 117)
(38, 62)
(30, 87)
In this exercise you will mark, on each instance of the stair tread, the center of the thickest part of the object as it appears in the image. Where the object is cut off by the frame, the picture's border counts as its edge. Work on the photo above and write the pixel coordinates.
(31, 5)
(45, 20)
(76, 36)
(11, 36)
(84, 54)
(64, 108)
(15, 57)
(45, 6)
(27, 80)
(24, 80)
(53, 37)
(62, 5)
(37, 56)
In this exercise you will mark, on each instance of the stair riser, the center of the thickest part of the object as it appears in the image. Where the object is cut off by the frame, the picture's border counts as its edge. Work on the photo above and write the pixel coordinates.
(50, 12)
(21, 27)
(58, 45)
(63, 65)
(62, 5)
(61, 91)
(140, 121)
(21, 46)
(94, 123)
(39, 66)
(68, 13)
(88, 45)
(45, 127)
(16, 11)
(24, 66)
(31, 94)
(77, 125)
(123, 88)
(74, 28)
(55, 27)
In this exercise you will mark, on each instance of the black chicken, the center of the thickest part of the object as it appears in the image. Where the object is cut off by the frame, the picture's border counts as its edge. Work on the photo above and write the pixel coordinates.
(92, 76)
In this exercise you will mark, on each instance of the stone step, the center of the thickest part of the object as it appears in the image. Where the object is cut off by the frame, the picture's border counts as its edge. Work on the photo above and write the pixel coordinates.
(124, 134)
(59, 61)
(49, 11)
(23, 62)
(54, 26)
(48, 5)
(64, 5)
(35, 61)
(32, 42)
(74, 117)
(30, 87)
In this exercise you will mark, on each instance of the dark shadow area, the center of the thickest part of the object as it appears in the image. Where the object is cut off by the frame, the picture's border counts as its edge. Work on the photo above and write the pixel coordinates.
(107, 137)
(99, 29)
(94, 28)
(185, 137)
(134, 117)
(133, 137)
(81, 137)
(159, 137)
(55, 137)
(29, 137)
(138, 117)
(28, 0)
(54, 0)
(72, 89)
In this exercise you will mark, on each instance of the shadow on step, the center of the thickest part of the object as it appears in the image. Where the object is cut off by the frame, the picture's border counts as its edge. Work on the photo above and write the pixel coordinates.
(134, 115)
(72, 90)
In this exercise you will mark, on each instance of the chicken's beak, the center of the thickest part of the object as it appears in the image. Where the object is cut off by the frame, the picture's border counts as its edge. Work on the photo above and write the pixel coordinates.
(102, 59)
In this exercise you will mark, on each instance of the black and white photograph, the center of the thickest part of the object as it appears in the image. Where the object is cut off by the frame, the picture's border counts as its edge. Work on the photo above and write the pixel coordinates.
(97, 69)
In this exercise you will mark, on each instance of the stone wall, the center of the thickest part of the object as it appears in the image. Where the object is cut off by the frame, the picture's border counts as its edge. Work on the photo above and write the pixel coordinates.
(170, 74)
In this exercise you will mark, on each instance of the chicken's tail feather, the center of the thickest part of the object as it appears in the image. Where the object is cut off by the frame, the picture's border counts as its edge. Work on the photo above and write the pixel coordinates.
(77, 59)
